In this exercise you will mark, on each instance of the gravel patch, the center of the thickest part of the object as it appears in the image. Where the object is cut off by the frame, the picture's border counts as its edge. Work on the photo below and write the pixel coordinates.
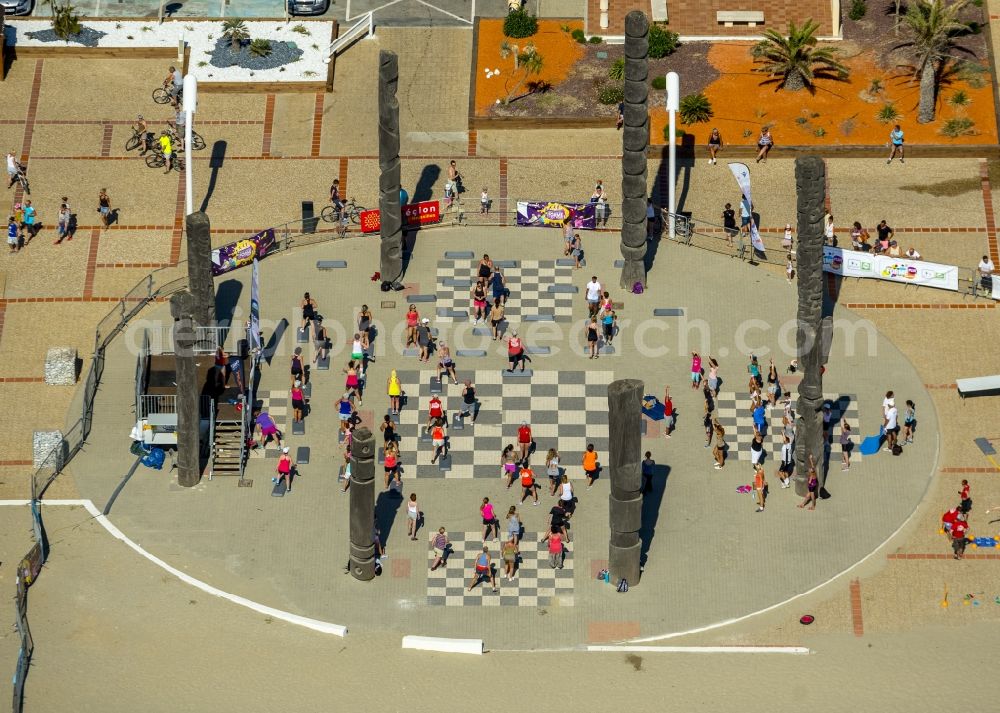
(86, 36)
(282, 53)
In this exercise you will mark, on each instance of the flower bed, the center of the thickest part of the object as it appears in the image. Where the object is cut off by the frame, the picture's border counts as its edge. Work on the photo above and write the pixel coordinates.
(298, 49)
(848, 112)
(837, 113)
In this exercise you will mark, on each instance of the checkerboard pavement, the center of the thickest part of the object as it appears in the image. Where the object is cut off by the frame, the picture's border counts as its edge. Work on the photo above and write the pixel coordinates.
(528, 284)
(536, 584)
(734, 415)
(277, 404)
(566, 411)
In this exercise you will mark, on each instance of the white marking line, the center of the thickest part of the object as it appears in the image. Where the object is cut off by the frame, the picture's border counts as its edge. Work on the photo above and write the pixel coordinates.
(449, 14)
(797, 650)
(735, 620)
(348, 17)
(323, 627)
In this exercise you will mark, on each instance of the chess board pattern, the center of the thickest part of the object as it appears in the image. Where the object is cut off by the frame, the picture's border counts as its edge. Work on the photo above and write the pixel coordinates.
(566, 411)
(535, 585)
(528, 284)
(734, 415)
(278, 405)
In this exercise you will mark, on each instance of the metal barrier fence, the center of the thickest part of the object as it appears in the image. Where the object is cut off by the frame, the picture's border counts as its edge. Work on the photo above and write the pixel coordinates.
(163, 282)
(157, 285)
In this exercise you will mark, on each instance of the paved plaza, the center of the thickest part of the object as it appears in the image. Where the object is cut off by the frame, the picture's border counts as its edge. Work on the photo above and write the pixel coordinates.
(868, 562)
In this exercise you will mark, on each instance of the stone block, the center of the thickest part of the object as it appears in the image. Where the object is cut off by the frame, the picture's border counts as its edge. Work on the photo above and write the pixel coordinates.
(60, 366)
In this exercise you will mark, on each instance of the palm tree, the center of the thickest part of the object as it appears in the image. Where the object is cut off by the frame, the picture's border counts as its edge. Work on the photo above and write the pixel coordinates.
(236, 32)
(795, 60)
(526, 60)
(934, 26)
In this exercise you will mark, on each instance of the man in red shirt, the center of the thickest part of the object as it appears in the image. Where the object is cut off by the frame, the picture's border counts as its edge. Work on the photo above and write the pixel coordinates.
(958, 530)
(524, 441)
(668, 413)
(966, 503)
(948, 519)
(515, 352)
(434, 412)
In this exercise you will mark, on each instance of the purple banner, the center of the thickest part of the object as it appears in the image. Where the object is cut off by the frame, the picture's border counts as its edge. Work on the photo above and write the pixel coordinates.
(242, 252)
(552, 215)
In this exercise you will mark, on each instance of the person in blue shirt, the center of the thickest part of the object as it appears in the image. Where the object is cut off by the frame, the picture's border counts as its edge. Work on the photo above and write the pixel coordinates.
(896, 142)
(29, 220)
(12, 234)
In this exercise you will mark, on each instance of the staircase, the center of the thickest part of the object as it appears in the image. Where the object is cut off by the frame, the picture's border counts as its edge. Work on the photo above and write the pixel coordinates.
(227, 448)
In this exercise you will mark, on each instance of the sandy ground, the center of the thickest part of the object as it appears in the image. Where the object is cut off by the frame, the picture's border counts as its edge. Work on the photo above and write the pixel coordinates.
(211, 655)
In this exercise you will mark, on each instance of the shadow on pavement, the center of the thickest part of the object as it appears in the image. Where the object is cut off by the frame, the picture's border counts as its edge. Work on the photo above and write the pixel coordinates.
(651, 501)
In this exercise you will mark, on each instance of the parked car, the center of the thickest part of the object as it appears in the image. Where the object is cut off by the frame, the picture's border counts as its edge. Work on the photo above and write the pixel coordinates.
(17, 7)
(308, 7)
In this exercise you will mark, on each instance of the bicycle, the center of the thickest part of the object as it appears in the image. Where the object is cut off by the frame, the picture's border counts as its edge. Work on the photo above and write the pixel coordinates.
(158, 160)
(136, 141)
(162, 96)
(22, 178)
(349, 211)
(197, 142)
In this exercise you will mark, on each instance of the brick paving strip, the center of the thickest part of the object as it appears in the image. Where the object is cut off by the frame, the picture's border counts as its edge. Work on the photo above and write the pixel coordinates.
(88, 282)
(473, 142)
(265, 149)
(29, 122)
(856, 618)
(502, 187)
(317, 137)
(967, 469)
(991, 228)
(940, 386)
(918, 305)
(109, 130)
(938, 556)
(342, 175)
(178, 230)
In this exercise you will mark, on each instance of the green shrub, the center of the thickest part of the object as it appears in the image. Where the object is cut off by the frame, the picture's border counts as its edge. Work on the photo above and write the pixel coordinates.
(972, 73)
(661, 42)
(260, 48)
(679, 134)
(65, 21)
(959, 126)
(888, 113)
(611, 93)
(301, 29)
(820, 132)
(578, 35)
(801, 120)
(520, 24)
(747, 133)
(858, 9)
(616, 72)
(595, 40)
(959, 98)
(695, 108)
(660, 82)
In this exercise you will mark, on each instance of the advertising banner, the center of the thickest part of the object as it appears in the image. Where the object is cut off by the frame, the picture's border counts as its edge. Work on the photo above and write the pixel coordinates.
(742, 175)
(853, 263)
(242, 252)
(423, 213)
(255, 341)
(849, 263)
(918, 272)
(540, 214)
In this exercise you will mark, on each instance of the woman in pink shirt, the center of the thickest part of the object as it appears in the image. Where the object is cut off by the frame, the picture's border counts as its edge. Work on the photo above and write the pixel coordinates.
(695, 370)
(490, 521)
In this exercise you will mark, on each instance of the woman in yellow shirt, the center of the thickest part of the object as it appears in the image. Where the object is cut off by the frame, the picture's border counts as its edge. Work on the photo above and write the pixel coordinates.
(395, 390)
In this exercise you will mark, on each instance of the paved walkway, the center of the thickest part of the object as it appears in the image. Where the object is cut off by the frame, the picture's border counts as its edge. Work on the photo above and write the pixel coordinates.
(290, 552)
(53, 295)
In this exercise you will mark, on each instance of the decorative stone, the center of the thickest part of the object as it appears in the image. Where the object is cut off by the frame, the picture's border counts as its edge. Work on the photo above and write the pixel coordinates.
(60, 366)
(48, 450)
(391, 230)
(635, 143)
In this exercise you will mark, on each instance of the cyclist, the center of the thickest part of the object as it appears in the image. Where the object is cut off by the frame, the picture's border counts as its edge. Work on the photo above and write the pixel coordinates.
(335, 195)
(168, 150)
(14, 168)
(174, 84)
(145, 135)
(176, 132)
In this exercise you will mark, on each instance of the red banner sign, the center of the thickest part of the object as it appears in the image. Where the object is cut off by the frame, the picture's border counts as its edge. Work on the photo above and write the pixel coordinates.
(413, 214)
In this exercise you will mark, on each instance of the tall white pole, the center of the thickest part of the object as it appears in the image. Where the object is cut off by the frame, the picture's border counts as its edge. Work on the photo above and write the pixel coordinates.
(190, 105)
(673, 104)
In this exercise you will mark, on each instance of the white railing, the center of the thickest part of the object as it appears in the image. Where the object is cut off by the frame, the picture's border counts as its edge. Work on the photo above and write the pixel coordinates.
(364, 27)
